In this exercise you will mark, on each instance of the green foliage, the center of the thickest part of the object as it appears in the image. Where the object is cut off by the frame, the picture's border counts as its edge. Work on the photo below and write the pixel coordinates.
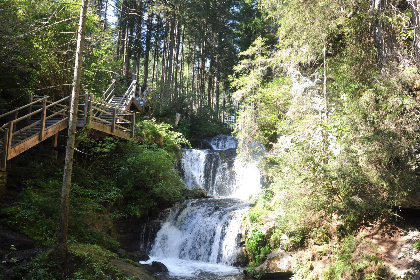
(84, 262)
(37, 45)
(327, 172)
(250, 272)
(15, 56)
(91, 262)
(416, 245)
(256, 245)
(36, 213)
(147, 178)
(351, 263)
(111, 180)
(162, 134)
(202, 124)
(264, 100)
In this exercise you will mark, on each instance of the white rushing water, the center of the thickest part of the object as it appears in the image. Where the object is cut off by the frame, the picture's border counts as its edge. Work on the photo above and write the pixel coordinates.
(220, 173)
(223, 142)
(204, 235)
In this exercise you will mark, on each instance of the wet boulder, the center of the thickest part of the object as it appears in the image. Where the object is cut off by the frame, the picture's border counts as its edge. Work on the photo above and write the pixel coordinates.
(158, 267)
(278, 265)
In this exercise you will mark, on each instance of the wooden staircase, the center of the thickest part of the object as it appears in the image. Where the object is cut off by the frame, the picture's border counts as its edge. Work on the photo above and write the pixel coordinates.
(41, 119)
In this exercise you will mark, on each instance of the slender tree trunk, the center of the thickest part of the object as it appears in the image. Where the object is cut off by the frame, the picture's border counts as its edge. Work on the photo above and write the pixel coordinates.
(137, 49)
(147, 52)
(104, 24)
(61, 246)
(203, 68)
(126, 59)
(415, 11)
(210, 82)
(324, 86)
(170, 55)
(181, 70)
(176, 68)
(165, 94)
(217, 88)
(156, 52)
(120, 34)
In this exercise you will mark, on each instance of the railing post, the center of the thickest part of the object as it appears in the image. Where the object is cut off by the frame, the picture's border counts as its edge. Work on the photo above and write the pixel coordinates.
(43, 117)
(114, 119)
(5, 149)
(133, 125)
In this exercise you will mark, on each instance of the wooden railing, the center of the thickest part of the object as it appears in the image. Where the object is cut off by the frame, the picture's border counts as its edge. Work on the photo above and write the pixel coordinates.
(105, 113)
(31, 124)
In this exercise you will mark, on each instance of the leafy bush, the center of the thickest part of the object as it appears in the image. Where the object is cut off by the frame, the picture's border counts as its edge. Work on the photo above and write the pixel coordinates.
(147, 178)
(256, 245)
(162, 134)
(84, 262)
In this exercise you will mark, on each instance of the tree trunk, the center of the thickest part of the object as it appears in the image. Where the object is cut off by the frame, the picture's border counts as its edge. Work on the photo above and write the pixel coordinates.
(104, 25)
(147, 52)
(415, 8)
(126, 60)
(164, 93)
(61, 246)
(156, 52)
(384, 42)
(176, 68)
(217, 88)
(210, 82)
(171, 44)
(324, 87)
(137, 50)
(181, 70)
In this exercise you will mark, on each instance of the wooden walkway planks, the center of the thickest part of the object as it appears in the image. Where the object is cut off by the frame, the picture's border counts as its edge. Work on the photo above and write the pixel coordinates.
(28, 127)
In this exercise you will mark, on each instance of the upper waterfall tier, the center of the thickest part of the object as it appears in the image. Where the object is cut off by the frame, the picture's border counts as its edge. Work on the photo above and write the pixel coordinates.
(222, 142)
(220, 172)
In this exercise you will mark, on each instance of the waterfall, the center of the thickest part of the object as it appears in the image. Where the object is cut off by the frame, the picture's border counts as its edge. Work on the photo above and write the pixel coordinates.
(206, 230)
(204, 235)
(222, 142)
(220, 172)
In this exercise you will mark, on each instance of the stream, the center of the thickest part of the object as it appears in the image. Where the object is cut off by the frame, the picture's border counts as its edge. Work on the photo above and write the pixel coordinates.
(201, 238)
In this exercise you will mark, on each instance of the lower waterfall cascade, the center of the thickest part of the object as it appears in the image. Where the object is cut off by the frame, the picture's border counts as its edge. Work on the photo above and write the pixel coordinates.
(201, 238)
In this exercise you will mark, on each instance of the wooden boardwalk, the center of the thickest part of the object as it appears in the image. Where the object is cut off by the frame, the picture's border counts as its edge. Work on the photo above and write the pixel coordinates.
(40, 119)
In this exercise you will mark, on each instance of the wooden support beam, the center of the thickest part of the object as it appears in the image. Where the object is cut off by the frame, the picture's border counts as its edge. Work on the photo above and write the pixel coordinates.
(5, 151)
(43, 116)
(85, 109)
(55, 140)
(107, 130)
(90, 108)
(133, 125)
(114, 119)
(9, 139)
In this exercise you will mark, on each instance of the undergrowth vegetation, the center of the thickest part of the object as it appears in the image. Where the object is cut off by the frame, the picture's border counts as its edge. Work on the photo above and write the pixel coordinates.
(113, 181)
